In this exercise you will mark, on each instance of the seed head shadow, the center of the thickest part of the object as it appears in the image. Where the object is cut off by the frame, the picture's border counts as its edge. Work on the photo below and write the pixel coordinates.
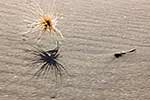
(47, 63)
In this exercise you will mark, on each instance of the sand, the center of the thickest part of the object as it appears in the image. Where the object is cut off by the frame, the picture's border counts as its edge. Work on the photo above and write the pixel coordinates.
(94, 30)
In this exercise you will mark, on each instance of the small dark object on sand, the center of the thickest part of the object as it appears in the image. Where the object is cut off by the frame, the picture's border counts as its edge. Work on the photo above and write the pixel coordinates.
(117, 55)
(49, 61)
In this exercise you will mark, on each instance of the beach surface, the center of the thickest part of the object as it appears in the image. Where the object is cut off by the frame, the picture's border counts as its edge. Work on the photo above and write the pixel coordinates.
(94, 31)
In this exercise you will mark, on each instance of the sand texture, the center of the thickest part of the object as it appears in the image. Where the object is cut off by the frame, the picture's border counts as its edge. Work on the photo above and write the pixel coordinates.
(94, 30)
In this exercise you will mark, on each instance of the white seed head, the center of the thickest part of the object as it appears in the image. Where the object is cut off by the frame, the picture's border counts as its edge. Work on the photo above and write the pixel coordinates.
(39, 22)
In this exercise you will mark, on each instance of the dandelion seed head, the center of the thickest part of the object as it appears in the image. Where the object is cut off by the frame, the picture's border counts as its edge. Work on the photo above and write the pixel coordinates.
(42, 22)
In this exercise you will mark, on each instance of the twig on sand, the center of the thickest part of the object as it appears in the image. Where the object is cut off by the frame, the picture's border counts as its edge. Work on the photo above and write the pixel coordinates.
(120, 54)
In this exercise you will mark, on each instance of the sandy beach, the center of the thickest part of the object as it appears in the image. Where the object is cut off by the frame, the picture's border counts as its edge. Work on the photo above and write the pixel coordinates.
(94, 30)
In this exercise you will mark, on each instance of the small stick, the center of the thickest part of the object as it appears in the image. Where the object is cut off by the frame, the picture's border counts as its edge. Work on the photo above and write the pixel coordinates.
(117, 55)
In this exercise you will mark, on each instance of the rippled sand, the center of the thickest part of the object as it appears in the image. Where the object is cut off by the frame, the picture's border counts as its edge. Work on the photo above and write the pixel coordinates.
(94, 30)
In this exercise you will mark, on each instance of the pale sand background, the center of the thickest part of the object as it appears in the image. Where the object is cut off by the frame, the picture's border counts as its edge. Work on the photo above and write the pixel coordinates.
(94, 31)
